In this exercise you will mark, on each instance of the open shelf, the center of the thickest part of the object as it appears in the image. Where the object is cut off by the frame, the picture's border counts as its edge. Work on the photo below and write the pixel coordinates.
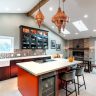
(33, 38)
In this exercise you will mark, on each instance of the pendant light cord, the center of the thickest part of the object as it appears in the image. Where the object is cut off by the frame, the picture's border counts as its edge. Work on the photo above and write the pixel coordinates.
(59, 3)
(63, 4)
(39, 5)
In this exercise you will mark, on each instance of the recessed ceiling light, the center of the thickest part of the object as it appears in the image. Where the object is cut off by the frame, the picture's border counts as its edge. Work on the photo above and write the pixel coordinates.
(80, 25)
(65, 31)
(50, 9)
(94, 30)
(7, 9)
(53, 27)
(18, 9)
(85, 16)
(76, 33)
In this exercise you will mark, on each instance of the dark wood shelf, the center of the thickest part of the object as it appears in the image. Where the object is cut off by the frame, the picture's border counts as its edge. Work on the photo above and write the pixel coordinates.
(78, 48)
(33, 38)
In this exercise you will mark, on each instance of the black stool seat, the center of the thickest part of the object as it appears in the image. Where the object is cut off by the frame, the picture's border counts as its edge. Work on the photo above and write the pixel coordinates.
(67, 77)
(80, 72)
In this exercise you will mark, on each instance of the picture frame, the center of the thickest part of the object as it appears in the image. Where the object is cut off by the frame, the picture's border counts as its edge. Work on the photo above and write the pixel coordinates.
(53, 44)
(58, 47)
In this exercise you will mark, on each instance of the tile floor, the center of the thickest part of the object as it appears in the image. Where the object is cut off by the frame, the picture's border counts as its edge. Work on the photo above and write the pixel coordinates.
(9, 87)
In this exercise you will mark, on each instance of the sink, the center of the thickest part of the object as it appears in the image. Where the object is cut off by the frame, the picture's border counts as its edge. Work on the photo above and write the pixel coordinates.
(49, 60)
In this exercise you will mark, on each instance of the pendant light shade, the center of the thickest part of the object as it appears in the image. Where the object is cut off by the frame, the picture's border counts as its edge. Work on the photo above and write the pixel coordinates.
(60, 18)
(39, 18)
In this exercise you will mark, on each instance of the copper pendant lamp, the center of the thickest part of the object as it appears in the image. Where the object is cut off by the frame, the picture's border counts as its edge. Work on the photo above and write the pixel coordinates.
(39, 17)
(57, 19)
(60, 18)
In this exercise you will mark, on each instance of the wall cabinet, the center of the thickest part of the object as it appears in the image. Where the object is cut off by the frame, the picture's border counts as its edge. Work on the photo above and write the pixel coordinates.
(4, 73)
(33, 38)
(12, 70)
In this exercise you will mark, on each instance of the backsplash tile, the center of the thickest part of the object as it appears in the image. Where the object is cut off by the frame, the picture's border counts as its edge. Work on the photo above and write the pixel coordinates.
(22, 53)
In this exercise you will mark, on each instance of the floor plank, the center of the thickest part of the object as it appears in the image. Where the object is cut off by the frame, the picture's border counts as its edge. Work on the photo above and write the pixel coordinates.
(9, 87)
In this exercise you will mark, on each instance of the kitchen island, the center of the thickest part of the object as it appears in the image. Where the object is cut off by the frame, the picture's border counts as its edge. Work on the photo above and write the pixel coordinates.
(41, 79)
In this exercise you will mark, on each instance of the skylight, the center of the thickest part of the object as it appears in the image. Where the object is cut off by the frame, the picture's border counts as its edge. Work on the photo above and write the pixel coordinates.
(80, 25)
(65, 31)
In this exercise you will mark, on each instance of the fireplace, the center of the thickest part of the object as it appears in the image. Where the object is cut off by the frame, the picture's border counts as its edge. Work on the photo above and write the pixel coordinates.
(79, 55)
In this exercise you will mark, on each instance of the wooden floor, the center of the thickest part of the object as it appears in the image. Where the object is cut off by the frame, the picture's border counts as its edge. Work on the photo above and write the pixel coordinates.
(9, 87)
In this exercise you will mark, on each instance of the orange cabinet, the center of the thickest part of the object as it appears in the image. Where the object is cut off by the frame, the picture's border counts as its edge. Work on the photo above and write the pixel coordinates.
(43, 85)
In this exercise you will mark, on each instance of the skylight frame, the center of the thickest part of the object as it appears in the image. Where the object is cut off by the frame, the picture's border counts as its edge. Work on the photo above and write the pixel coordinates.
(80, 26)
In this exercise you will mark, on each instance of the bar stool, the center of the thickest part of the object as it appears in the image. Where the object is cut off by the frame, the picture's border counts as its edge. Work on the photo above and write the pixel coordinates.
(69, 77)
(80, 72)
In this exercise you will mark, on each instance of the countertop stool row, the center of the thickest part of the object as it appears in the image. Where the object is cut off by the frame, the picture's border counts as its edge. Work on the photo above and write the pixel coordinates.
(70, 77)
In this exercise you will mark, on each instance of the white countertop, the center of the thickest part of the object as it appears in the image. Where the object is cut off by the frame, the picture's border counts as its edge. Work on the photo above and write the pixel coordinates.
(42, 68)
(6, 61)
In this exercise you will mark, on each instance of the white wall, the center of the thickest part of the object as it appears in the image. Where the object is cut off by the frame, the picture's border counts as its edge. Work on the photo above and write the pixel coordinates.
(9, 26)
(93, 51)
(59, 40)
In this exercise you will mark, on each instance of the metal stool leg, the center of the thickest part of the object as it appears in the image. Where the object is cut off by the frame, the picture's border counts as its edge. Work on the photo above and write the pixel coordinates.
(75, 87)
(78, 84)
(84, 82)
(66, 88)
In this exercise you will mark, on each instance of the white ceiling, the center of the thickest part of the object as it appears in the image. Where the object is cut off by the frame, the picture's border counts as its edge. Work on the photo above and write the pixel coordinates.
(17, 6)
(76, 9)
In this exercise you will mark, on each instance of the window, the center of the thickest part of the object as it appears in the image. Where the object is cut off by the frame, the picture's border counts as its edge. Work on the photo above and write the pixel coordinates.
(6, 44)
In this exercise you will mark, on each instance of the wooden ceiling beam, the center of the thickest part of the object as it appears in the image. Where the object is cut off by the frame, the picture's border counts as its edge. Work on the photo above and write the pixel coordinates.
(35, 8)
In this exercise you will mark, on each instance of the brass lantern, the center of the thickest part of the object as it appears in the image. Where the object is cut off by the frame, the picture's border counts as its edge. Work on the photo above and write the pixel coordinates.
(39, 18)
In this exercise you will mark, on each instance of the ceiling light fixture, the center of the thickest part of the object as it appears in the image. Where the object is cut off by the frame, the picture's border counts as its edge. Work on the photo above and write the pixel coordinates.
(53, 27)
(50, 9)
(39, 17)
(94, 30)
(18, 9)
(7, 9)
(76, 33)
(60, 18)
(85, 16)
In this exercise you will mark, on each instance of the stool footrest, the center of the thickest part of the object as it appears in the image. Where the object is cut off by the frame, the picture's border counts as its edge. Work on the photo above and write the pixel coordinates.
(70, 92)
